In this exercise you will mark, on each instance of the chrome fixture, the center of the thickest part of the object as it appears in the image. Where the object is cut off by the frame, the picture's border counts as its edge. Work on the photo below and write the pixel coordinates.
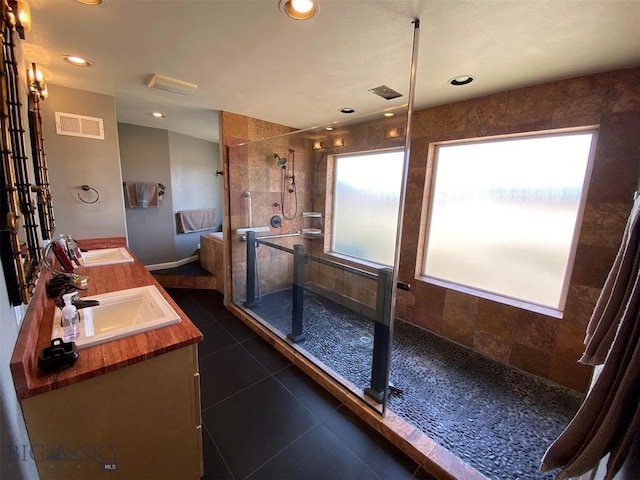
(281, 162)
(247, 194)
(87, 188)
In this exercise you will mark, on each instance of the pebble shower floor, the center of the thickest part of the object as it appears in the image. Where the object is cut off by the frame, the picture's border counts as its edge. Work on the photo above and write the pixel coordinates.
(496, 418)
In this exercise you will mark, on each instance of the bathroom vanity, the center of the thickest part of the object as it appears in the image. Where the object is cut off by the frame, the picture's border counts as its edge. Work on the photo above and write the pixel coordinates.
(129, 407)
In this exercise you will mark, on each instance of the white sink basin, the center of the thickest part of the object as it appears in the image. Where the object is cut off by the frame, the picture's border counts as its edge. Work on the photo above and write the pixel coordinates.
(106, 256)
(120, 314)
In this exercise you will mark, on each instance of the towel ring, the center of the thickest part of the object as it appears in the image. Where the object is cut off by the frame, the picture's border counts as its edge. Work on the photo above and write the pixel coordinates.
(86, 188)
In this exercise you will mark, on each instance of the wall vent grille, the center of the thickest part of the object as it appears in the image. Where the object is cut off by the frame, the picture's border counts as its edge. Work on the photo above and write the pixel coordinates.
(79, 126)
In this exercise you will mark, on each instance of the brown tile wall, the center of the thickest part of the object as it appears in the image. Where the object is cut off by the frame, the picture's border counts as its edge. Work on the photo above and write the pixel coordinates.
(546, 346)
(536, 343)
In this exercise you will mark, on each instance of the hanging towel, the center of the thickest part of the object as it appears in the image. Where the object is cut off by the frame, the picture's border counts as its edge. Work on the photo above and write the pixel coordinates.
(609, 418)
(141, 195)
(196, 220)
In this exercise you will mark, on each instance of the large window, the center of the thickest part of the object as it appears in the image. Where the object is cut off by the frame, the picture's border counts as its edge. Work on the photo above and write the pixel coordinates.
(503, 215)
(366, 199)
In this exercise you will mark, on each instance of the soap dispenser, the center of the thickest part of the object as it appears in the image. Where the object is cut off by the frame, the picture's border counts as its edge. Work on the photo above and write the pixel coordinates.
(70, 318)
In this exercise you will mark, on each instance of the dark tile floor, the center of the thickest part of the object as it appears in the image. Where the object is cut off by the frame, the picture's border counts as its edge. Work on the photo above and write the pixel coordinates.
(265, 419)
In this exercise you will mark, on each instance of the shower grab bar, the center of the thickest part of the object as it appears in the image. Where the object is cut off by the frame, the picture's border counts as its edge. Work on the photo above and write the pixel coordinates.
(247, 194)
(243, 238)
(324, 261)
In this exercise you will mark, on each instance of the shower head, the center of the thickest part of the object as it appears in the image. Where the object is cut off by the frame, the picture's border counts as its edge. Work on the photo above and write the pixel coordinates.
(281, 162)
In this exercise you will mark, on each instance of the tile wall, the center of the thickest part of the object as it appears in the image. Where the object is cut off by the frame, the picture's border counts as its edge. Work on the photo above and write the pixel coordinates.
(543, 345)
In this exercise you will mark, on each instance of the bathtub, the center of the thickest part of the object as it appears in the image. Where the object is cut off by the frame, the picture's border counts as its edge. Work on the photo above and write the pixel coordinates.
(211, 256)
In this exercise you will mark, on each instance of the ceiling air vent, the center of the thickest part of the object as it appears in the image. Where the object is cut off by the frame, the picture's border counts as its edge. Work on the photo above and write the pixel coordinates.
(385, 92)
(171, 85)
(79, 126)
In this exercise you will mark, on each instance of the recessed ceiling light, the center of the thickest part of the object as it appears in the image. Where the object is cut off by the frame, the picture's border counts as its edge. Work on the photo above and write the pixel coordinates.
(78, 61)
(328, 129)
(461, 80)
(388, 114)
(347, 110)
(299, 9)
(91, 2)
(157, 114)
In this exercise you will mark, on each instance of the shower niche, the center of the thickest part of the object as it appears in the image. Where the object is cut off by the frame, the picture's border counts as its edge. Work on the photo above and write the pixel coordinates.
(312, 224)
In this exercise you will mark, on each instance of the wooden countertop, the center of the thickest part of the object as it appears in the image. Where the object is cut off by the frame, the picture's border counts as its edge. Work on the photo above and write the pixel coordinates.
(35, 332)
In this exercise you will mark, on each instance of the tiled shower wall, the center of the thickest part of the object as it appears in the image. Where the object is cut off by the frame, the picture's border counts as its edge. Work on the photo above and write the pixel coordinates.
(545, 346)
(253, 168)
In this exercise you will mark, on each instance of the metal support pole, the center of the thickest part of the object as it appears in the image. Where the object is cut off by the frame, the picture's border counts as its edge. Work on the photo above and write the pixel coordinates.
(381, 336)
(296, 334)
(251, 269)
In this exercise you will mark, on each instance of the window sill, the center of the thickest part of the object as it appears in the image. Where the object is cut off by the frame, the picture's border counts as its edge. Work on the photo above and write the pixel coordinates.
(532, 307)
(357, 262)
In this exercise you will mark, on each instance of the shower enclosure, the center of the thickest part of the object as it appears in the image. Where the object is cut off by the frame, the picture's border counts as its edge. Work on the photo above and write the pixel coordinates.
(333, 306)
(286, 272)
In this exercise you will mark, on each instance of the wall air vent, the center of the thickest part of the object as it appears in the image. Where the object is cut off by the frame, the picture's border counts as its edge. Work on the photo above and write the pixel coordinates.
(385, 92)
(79, 126)
(171, 85)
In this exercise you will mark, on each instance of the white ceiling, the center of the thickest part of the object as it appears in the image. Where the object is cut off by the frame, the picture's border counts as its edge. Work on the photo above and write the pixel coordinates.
(248, 58)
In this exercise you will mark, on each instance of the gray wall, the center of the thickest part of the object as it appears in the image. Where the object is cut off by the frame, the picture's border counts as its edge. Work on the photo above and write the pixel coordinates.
(75, 161)
(144, 153)
(186, 165)
(194, 184)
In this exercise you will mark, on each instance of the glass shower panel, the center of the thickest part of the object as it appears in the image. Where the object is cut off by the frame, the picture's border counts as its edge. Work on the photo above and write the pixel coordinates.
(336, 307)
(285, 273)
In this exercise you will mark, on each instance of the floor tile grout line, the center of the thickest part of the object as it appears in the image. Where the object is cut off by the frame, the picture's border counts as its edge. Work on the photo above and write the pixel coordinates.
(224, 460)
(285, 448)
(236, 393)
(219, 350)
(298, 400)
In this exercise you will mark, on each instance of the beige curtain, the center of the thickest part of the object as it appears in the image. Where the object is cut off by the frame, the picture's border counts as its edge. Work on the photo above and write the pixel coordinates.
(609, 417)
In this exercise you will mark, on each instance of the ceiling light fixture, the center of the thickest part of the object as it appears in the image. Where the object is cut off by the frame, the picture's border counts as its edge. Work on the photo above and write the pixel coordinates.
(347, 110)
(91, 2)
(157, 114)
(388, 114)
(461, 80)
(77, 61)
(299, 9)
(328, 129)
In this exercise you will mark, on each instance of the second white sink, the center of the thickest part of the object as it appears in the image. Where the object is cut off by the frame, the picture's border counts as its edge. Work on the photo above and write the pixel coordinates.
(106, 256)
(120, 314)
